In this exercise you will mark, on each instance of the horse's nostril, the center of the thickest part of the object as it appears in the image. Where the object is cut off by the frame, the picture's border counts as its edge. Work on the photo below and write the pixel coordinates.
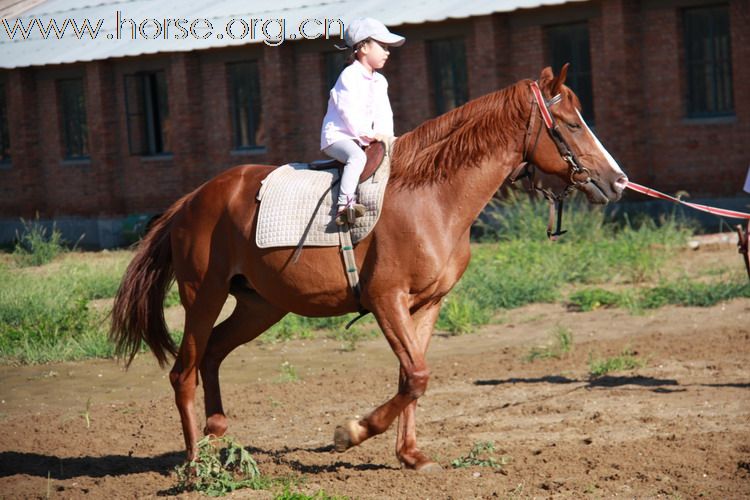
(621, 183)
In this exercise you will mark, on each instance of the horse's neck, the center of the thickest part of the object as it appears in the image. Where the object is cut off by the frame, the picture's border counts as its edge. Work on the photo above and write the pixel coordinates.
(463, 197)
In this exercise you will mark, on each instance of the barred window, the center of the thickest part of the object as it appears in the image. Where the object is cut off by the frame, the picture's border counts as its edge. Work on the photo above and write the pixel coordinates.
(73, 118)
(569, 43)
(708, 62)
(247, 117)
(449, 75)
(149, 130)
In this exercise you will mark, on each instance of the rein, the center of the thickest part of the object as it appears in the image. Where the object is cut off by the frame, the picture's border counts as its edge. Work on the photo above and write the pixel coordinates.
(527, 169)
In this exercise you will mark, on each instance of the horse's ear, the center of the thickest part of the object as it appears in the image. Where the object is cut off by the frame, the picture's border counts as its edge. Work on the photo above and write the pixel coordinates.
(557, 84)
(546, 77)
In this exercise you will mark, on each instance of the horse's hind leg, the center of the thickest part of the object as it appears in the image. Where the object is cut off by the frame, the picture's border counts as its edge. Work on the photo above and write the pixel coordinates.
(202, 303)
(251, 317)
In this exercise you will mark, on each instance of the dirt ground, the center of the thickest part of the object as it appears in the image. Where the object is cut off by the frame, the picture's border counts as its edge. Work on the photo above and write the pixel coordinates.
(676, 428)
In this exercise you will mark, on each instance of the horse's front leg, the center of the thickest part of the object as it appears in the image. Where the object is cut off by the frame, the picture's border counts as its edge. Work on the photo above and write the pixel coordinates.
(406, 435)
(396, 322)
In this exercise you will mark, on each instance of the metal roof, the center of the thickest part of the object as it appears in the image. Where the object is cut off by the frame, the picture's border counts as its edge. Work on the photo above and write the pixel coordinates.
(34, 49)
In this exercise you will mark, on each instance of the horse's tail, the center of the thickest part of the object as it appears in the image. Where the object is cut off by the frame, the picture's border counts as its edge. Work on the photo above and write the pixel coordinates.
(138, 311)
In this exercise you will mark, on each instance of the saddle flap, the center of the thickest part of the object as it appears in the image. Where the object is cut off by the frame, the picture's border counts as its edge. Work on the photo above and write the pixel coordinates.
(375, 152)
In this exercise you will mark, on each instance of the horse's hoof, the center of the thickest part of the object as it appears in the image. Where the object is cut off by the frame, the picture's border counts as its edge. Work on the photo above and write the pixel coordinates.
(216, 425)
(429, 468)
(341, 439)
(347, 435)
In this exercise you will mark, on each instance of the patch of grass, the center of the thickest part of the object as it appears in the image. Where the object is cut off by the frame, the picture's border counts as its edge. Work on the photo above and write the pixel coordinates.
(46, 314)
(288, 373)
(173, 296)
(287, 494)
(222, 466)
(561, 344)
(591, 299)
(481, 455)
(625, 361)
(351, 338)
(681, 292)
(35, 245)
(461, 314)
(690, 293)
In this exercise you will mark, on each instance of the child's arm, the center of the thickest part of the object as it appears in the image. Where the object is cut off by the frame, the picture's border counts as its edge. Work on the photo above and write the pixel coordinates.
(383, 113)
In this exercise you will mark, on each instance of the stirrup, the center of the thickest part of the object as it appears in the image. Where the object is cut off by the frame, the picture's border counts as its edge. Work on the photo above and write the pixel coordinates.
(350, 213)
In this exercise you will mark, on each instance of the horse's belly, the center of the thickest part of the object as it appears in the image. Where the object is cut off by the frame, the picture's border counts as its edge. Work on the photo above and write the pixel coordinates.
(315, 285)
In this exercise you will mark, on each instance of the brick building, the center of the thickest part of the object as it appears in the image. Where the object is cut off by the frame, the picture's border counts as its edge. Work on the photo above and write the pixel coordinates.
(93, 134)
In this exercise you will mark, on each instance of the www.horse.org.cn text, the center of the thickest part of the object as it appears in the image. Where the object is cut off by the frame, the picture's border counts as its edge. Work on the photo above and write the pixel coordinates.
(272, 32)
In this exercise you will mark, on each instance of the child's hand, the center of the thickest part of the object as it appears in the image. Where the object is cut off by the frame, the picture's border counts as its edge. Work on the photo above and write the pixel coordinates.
(380, 137)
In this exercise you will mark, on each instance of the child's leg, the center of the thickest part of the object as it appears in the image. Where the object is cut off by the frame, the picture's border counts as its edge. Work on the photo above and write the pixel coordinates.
(354, 159)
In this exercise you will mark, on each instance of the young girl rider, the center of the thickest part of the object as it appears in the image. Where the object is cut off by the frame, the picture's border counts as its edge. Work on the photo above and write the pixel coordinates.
(359, 111)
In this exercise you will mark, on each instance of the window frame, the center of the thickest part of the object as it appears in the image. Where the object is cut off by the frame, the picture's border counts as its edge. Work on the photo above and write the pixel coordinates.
(73, 119)
(5, 159)
(580, 73)
(458, 73)
(255, 106)
(150, 112)
(710, 108)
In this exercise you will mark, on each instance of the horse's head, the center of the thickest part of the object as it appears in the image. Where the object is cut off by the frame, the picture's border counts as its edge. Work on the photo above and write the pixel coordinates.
(560, 143)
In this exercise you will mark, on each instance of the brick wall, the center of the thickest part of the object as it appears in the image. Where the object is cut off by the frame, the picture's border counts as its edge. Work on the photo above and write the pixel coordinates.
(637, 81)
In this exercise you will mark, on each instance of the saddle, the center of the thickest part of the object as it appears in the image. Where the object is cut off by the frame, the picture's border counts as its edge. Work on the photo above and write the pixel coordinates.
(374, 151)
(298, 201)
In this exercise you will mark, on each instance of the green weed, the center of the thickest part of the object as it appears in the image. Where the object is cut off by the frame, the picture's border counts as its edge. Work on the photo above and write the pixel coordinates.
(287, 494)
(626, 360)
(288, 373)
(481, 455)
(222, 466)
(590, 299)
(561, 344)
(351, 338)
(86, 414)
(34, 246)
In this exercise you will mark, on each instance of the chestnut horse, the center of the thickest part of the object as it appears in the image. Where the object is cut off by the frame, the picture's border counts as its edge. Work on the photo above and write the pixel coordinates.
(442, 174)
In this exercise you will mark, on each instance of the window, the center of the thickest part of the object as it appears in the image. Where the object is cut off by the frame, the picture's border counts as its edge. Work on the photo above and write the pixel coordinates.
(448, 67)
(247, 123)
(73, 118)
(147, 112)
(335, 62)
(708, 61)
(569, 43)
(4, 134)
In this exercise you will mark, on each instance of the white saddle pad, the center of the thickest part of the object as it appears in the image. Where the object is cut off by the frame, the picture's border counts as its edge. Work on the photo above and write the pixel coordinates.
(290, 194)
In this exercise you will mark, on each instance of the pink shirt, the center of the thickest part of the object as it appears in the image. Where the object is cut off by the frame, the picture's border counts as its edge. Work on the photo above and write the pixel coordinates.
(358, 105)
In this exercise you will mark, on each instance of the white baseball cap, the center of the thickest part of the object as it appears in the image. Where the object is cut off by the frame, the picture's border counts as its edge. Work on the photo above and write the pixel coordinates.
(367, 27)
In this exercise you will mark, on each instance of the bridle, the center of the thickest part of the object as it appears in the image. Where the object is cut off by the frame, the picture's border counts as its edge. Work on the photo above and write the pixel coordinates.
(527, 168)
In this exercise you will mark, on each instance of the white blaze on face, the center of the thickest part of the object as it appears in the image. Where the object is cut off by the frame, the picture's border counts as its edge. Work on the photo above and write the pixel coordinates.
(605, 153)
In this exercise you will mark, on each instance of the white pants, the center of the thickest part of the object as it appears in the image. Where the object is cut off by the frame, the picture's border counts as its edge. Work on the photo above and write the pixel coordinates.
(353, 157)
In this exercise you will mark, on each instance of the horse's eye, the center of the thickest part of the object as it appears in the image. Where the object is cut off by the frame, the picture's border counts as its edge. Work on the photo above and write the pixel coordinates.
(572, 126)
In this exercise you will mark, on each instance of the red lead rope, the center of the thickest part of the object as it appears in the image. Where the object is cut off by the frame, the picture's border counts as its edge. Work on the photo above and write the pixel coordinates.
(704, 208)
(742, 243)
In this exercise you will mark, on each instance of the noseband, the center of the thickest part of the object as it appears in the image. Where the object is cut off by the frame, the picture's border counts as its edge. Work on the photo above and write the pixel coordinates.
(526, 168)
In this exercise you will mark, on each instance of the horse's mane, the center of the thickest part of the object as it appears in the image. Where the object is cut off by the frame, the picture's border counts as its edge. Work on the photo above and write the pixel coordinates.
(461, 138)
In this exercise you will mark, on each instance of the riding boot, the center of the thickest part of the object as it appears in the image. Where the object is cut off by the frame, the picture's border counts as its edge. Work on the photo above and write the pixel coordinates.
(349, 210)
